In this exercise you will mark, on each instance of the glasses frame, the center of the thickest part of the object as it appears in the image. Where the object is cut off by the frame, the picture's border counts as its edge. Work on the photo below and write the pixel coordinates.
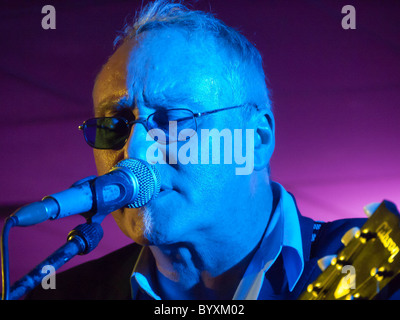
(145, 121)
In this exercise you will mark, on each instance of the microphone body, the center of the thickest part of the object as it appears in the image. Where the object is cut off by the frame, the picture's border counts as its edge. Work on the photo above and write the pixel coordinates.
(130, 182)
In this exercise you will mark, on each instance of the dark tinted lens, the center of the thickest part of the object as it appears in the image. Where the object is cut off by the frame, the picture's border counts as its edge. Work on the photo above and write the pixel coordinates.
(106, 133)
(183, 119)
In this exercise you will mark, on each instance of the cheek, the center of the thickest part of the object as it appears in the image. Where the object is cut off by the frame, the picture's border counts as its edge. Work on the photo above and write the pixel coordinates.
(207, 183)
(106, 159)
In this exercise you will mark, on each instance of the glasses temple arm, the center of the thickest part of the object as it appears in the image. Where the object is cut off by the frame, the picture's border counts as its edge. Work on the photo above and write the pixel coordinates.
(199, 114)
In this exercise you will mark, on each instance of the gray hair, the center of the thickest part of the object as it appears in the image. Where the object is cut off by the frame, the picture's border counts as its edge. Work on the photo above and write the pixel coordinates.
(163, 14)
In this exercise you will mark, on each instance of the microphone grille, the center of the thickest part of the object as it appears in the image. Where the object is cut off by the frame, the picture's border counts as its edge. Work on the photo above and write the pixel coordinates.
(149, 181)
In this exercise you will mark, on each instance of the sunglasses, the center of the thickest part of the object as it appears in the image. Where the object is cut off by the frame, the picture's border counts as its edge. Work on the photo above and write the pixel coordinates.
(113, 132)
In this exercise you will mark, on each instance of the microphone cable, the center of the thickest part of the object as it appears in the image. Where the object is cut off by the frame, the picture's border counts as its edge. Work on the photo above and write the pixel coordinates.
(5, 271)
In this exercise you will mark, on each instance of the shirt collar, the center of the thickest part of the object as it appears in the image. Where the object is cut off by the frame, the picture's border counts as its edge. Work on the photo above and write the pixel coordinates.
(283, 236)
(142, 277)
(292, 241)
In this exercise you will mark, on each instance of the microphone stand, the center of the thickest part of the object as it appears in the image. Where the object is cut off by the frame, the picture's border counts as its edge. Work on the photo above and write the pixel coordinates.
(81, 240)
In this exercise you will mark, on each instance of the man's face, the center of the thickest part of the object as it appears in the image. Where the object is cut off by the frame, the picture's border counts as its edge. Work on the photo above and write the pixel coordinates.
(165, 70)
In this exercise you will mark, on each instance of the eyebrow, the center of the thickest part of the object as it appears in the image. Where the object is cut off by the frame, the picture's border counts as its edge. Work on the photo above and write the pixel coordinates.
(113, 103)
(118, 103)
(171, 101)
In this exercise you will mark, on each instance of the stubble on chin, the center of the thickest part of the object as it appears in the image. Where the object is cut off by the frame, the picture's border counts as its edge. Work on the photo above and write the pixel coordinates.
(136, 224)
(147, 222)
(141, 226)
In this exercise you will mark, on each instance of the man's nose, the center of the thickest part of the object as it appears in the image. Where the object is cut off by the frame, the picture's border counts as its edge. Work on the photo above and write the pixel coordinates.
(141, 145)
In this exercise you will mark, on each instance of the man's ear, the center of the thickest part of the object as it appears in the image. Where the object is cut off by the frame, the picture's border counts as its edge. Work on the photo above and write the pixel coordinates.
(264, 139)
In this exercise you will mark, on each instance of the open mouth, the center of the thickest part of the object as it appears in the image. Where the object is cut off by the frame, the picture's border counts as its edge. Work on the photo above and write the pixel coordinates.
(164, 190)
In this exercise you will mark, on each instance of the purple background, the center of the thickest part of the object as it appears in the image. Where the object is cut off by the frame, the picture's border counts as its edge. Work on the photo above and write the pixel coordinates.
(336, 95)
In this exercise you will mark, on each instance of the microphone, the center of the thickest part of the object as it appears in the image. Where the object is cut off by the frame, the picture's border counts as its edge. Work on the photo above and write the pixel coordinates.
(130, 183)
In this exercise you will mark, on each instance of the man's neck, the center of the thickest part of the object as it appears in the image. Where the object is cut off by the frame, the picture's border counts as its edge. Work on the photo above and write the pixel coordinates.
(182, 279)
(211, 265)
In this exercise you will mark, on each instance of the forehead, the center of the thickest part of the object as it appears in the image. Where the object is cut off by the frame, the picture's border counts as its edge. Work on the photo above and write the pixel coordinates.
(162, 66)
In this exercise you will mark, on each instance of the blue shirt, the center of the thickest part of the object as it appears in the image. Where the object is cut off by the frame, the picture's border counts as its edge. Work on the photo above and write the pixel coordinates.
(282, 237)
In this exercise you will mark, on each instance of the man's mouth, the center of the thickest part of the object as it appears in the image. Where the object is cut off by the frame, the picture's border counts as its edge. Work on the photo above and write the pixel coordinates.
(165, 189)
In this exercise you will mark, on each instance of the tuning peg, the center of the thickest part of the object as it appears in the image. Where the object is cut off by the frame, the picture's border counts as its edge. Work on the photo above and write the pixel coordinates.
(369, 209)
(324, 262)
(350, 234)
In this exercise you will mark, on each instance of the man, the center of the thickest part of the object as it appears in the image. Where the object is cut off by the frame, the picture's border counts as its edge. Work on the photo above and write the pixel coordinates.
(211, 233)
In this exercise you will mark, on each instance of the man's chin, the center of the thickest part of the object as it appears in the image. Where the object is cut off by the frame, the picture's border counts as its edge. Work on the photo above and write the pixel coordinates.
(149, 239)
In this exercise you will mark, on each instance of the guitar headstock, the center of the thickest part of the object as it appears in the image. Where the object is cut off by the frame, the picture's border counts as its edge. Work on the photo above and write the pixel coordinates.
(369, 260)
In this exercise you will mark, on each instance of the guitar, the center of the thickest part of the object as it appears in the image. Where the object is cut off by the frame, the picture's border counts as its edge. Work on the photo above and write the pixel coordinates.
(369, 260)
